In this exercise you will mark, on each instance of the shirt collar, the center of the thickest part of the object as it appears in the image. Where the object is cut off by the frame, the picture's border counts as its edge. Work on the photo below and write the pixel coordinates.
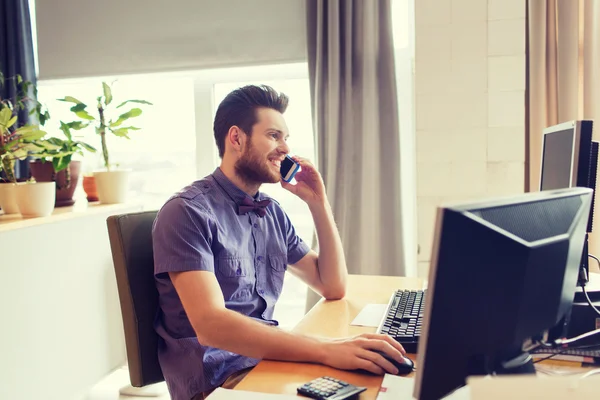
(234, 192)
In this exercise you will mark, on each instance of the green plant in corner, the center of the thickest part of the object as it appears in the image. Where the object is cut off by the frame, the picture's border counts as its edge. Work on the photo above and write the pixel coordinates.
(17, 141)
(103, 122)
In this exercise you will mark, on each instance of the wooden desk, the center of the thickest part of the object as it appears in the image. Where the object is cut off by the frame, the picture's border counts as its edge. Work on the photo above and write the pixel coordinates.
(330, 319)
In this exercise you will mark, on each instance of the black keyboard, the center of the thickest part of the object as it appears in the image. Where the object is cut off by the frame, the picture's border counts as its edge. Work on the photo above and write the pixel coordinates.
(404, 317)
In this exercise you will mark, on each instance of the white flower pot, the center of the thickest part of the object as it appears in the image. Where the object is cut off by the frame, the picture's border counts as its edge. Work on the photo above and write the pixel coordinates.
(8, 200)
(36, 199)
(112, 186)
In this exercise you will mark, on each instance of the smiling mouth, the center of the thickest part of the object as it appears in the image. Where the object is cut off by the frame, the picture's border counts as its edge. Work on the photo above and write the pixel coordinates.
(276, 163)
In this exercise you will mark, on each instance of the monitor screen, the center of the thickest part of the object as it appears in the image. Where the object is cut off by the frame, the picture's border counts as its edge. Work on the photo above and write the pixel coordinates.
(557, 160)
(502, 272)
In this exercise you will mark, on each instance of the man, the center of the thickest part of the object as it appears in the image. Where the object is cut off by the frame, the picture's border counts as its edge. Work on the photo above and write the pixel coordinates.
(221, 249)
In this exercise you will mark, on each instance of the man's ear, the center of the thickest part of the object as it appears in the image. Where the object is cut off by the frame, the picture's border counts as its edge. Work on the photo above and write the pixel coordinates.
(236, 138)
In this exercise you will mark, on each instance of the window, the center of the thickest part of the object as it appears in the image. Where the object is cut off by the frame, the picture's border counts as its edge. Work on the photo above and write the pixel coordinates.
(161, 154)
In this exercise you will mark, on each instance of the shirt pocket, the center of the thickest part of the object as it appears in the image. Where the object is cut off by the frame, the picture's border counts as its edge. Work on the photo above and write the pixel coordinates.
(278, 262)
(233, 267)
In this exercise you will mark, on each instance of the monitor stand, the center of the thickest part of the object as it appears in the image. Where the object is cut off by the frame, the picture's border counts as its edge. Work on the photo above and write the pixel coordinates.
(519, 363)
(508, 362)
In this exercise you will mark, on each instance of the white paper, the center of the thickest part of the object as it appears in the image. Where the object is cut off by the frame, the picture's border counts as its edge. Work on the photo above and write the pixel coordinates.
(370, 315)
(227, 394)
(396, 387)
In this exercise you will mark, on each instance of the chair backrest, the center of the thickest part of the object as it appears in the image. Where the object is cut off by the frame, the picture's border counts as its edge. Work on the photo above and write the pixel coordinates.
(131, 244)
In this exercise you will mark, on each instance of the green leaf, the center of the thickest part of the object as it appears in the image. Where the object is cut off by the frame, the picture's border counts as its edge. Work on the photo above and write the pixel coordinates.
(61, 163)
(84, 115)
(86, 146)
(19, 79)
(78, 107)
(66, 129)
(11, 122)
(121, 132)
(107, 93)
(55, 141)
(20, 154)
(134, 101)
(134, 112)
(71, 99)
(78, 125)
(5, 115)
(30, 132)
(44, 117)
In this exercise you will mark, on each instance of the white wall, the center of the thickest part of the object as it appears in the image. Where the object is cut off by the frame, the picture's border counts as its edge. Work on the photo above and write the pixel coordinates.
(470, 104)
(61, 329)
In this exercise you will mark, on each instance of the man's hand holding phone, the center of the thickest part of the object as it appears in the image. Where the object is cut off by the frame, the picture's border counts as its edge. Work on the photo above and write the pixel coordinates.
(309, 186)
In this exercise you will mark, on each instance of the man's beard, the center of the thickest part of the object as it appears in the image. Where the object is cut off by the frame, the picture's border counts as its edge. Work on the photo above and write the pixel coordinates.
(253, 168)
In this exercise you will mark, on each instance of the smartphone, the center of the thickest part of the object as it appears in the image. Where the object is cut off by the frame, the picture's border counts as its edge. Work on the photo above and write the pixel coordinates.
(288, 168)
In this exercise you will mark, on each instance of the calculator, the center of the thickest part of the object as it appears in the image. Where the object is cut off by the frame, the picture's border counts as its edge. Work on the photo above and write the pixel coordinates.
(329, 388)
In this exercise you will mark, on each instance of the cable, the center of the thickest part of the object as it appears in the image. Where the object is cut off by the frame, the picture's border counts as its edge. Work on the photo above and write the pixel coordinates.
(595, 258)
(549, 357)
(587, 297)
(590, 373)
(564, 342)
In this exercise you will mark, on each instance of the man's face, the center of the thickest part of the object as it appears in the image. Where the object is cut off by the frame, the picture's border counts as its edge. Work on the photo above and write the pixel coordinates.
(265, 148)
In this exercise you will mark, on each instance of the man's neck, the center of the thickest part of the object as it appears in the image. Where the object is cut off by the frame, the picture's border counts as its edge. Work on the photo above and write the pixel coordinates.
(249, 188)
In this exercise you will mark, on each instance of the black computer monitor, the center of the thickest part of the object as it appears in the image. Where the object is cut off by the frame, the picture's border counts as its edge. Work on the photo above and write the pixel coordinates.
(502, 272)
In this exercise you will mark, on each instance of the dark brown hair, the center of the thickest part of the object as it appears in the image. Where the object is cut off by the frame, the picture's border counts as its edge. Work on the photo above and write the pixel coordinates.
(239, 109)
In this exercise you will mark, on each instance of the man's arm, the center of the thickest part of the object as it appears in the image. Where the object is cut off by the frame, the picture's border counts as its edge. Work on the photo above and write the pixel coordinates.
(326, 272)
(216, 326)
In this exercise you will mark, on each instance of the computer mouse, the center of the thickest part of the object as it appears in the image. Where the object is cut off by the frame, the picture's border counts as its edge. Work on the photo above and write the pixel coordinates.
(404, 368)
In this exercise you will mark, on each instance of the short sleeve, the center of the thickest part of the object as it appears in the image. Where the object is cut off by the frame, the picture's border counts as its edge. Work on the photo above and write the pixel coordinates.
(296, 247)
(181, 238)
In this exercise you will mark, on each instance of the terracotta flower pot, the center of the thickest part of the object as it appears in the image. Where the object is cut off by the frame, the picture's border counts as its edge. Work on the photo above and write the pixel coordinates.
(89, 186)
(44, 172)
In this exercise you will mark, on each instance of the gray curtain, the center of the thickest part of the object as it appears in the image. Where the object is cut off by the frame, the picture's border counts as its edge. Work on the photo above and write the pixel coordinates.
(355, 113)
(16, 56)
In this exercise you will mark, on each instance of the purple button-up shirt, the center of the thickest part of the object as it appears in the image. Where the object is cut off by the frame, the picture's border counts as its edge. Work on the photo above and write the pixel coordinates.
(199, 229)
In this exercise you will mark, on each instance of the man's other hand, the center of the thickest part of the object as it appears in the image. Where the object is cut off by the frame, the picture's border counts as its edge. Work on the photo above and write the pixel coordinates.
(356, 353)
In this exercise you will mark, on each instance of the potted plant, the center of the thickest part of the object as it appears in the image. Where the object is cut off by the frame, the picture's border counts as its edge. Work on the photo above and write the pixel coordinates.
(16, 143)
(62, 169)
(112, 184)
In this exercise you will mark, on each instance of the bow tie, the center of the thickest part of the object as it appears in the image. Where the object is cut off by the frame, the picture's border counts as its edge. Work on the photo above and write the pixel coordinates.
(257, 206)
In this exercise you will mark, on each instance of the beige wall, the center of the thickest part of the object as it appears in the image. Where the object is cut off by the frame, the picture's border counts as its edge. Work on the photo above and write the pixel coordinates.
(470, 104)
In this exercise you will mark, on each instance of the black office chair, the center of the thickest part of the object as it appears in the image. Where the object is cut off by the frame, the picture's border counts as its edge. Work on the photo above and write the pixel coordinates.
(131, 244)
